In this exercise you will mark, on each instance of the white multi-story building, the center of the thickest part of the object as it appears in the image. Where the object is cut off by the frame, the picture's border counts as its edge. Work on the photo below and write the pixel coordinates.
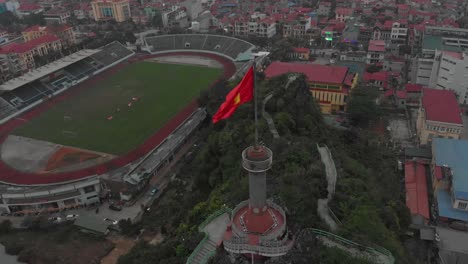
(175, 16)
(398, 35)
(298, 27)
(257, 25)
(425, 67)
(450, 71)
(324, 8)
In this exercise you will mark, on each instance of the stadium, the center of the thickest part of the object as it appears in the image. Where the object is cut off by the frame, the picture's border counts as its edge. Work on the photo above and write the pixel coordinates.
(105, 120)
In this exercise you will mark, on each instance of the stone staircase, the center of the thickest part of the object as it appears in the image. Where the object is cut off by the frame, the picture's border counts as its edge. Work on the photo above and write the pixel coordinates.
(205, 252)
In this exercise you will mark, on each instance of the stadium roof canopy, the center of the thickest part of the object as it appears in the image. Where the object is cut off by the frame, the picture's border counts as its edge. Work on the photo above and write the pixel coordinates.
(47, 69)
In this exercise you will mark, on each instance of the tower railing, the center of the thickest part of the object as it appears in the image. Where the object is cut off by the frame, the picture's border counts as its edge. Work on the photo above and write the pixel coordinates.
(257, 166)
(273, 250)
(234, 212)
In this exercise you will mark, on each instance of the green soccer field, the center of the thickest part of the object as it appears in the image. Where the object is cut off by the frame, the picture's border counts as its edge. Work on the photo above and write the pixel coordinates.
(156, 92)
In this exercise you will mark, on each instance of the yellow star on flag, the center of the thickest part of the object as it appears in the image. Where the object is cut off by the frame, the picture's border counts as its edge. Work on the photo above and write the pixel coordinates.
(237, 99)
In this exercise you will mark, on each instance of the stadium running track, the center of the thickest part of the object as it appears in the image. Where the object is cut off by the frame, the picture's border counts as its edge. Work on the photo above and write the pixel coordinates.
(12, 176)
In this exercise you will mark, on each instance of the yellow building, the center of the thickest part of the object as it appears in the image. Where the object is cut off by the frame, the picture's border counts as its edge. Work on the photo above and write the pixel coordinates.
(21, 55)
(64, 32)
(118, 10)
(439, 116)
(329, 85)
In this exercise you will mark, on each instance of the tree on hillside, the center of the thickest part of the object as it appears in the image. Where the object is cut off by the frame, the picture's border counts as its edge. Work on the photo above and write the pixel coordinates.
(8, 19)
(280, 50)
(34, 19)
(362, 107)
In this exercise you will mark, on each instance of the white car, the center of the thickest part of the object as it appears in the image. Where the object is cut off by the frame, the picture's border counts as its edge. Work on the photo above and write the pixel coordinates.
(111, 221)
(71, 216)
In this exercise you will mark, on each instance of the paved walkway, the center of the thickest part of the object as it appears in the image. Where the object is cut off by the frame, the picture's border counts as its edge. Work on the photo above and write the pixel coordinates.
(215, 230)
(267, 116)
(322, 204)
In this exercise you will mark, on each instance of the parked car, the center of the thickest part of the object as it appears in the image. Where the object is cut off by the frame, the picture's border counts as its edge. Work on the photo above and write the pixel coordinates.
(71, 216)
(114, 222)
(115, 207)
(154, 191)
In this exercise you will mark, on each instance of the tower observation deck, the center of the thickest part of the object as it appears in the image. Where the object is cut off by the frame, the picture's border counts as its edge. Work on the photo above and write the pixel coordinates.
(258, 226)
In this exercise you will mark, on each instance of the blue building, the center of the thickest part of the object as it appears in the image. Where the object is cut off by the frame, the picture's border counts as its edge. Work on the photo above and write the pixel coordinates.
(449, 171)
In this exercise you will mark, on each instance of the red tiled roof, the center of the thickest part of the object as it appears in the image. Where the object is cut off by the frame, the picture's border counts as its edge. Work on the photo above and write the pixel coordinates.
(413, 88)
(29, 7)
(343, 11)
(389, 93)
(401, 94)
(416, 189)
(377, 45)
(441, 106)
(314, 72)
(27, 46)
(349, 79)
(301, 50)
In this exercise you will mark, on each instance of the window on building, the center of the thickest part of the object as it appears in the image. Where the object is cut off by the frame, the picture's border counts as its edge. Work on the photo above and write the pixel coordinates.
(89, 189)
(91, 197)
(462, 205)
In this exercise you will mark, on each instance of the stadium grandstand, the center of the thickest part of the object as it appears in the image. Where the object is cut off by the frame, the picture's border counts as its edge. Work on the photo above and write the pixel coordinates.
(22, 93)
(44, 192)
(232, 48)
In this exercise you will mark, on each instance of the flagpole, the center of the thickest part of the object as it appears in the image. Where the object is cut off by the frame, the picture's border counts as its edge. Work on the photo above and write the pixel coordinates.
(255, 103)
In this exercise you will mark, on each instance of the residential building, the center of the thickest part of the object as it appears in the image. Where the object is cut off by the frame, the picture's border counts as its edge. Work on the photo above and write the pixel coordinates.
(50, 4)
(398, 36)
(324, 8)
(28, 9)
(118, 10)
(58, 15)
(449, 170)
(329, 85)
(175, 16)
(300, 54)
(257, 24)
(439, 116)
(343, 14)
(21, 55)
(83, 11)
(64, 32)
(382, 31)
(383, 80)
(296, 25)
(375, 52)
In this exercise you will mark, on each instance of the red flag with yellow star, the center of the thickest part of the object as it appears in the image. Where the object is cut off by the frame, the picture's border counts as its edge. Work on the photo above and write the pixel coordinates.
(241, 94)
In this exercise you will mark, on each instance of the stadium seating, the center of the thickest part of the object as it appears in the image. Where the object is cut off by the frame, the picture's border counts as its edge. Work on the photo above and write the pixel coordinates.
(12, 101)
(6, 109)
(111, 53)
(228, 46)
